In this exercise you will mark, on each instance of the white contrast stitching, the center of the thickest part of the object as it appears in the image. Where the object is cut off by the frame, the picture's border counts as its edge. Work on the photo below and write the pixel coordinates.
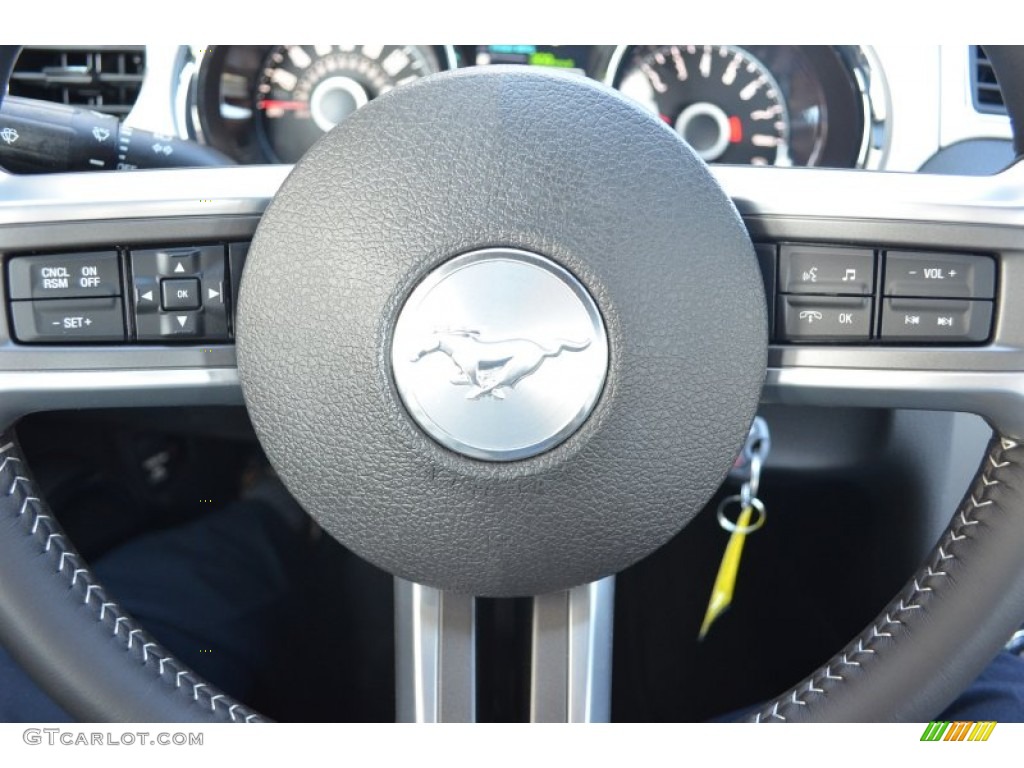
(862, 649)
(68, 555)
(953, 535)
(977, 505)
(63, 556)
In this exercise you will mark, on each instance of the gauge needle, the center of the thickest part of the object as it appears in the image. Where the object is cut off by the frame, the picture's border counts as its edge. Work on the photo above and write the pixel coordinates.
(735, 130)
(284, 105)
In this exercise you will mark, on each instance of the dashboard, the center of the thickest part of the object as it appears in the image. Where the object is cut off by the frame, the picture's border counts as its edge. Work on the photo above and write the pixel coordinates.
(885, 107)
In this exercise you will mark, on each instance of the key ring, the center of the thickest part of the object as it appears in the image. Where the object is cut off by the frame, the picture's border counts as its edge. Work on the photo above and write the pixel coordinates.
(730, 526)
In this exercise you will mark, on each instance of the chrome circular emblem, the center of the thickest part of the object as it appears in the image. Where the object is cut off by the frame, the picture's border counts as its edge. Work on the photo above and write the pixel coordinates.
(499, 354)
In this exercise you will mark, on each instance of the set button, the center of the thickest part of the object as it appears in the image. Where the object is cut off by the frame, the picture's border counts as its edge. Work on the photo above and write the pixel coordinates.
(68, 320)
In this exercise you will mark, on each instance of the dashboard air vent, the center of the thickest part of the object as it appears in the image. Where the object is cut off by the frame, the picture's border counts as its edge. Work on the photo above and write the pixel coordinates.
(106, 78)
(987, 95)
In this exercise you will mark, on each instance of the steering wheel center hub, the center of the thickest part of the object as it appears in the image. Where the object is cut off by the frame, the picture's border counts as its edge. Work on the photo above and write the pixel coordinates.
(495, 344)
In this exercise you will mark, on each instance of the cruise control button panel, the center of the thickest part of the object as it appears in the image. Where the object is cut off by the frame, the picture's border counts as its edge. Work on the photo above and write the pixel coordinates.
(181, 293)
(64, 276)
(69, 320)
(824, 318)
(939, 275)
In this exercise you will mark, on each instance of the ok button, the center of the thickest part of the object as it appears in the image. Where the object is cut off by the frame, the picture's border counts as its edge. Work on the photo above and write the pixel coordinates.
(182, 293)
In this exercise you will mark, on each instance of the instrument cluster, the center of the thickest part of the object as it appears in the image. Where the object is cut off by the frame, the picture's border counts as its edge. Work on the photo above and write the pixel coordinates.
(756, 105)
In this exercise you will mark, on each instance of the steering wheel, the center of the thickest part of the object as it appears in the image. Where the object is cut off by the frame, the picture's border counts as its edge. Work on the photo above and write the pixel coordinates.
(503, 333)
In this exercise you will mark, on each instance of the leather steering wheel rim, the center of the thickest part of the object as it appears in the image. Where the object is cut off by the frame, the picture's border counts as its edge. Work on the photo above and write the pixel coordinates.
(98, 663)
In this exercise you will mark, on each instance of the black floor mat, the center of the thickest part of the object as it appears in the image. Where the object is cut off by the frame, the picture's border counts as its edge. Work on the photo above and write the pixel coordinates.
(824, 564)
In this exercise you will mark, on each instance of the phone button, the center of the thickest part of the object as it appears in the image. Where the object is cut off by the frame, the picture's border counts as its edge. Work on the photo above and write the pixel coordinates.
(824, 318)
(829, 269)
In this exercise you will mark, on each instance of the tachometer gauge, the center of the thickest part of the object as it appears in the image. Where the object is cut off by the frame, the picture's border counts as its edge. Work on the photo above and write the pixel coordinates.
(305, 90)
(724, 102)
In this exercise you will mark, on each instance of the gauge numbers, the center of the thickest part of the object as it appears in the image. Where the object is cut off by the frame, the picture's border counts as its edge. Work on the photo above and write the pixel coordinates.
(305, 90)
(719, 98)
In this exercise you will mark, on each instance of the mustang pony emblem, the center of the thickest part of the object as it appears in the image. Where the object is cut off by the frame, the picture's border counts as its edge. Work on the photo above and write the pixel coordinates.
(489, 367)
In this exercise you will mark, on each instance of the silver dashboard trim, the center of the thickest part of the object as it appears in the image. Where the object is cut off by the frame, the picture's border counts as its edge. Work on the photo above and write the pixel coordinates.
(795, 192)
(155, 109)
(996, 395)
(958, 117)
(23, 392)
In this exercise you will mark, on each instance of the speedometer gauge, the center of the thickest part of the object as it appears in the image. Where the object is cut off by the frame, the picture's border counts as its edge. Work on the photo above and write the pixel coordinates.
(305, 90)
(723, 101)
